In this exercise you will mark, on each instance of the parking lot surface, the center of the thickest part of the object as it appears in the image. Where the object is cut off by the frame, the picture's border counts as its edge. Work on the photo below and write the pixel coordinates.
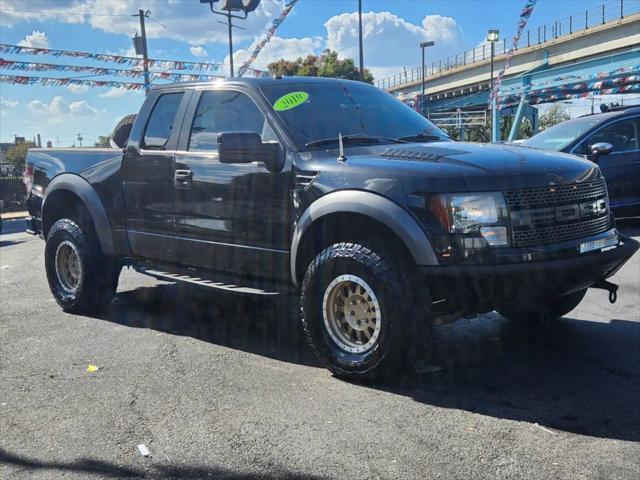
(225, 387)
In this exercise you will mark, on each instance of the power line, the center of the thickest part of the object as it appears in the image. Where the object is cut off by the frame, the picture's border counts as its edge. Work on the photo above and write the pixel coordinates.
(192, 42)
(65, 13)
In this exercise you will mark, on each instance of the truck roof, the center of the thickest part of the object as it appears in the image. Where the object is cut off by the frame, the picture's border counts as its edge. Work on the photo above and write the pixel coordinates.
(256, 82)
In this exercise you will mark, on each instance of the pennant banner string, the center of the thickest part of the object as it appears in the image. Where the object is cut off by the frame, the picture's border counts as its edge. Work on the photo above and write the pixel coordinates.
(267, 37)
(118, 59)
(41, 67)
(522, 22)
(634, 69)
(56, 82)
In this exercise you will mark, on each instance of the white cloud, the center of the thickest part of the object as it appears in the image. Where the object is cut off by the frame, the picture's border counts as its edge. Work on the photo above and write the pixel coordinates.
(35, 39)
(189, 18)
(60, 110)
(198, 51)
(277, 48)
(83, 109)
(8, 103)
(383, 33)
(78, 89)
(115, 92)
(390, 42)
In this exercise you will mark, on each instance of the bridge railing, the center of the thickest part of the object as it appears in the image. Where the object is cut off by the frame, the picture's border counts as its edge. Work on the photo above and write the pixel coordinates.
(607, 12)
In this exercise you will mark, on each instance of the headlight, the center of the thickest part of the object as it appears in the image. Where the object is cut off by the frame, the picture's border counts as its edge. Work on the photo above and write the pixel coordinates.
(467, 213)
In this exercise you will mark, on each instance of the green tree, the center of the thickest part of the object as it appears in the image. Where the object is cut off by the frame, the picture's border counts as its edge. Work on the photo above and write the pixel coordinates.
(326, 65)
(17, 154)
(555, 114)
(103, 141)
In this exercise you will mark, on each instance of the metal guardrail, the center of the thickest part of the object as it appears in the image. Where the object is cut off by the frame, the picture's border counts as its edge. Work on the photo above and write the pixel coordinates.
(459, 118)
(614, 10)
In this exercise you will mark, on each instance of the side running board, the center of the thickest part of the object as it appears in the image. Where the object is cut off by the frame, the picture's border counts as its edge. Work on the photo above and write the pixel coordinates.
(189, 277)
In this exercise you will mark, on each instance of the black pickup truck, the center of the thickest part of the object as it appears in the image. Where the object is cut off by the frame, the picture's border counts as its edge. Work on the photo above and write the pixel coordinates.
(332, 190)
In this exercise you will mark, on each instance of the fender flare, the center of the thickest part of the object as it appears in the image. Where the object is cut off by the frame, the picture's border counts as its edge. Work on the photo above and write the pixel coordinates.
(372, 205)
(83, 189)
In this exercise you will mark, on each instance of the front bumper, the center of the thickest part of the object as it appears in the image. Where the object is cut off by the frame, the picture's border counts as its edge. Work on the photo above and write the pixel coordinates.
(479, 288)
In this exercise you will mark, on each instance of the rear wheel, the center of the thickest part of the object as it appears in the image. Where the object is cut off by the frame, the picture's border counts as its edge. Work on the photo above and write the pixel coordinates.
(554, 310)
(359, 314)
(80, 277)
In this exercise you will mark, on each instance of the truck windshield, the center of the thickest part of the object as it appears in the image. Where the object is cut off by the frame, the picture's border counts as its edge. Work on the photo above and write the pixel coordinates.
(316, 113)
(561, 135)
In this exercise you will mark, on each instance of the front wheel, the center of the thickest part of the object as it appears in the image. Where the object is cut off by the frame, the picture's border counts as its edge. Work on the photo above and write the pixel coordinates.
(358, 314)
(80, 277)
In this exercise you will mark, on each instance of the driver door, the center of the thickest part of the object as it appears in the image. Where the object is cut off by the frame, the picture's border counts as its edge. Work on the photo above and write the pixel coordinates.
(229, 217)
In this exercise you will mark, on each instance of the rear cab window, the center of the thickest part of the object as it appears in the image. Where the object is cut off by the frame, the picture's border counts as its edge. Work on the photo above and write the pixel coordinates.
(161, 121)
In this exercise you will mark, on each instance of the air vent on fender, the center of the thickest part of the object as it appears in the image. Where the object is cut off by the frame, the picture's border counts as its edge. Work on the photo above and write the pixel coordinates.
(304, 178)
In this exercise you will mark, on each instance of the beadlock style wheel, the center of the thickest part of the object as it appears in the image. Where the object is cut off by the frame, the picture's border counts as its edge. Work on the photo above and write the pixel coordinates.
(68, 267)
(351, 314)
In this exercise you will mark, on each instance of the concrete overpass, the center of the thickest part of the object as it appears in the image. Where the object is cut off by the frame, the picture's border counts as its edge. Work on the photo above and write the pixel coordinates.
(592, 38)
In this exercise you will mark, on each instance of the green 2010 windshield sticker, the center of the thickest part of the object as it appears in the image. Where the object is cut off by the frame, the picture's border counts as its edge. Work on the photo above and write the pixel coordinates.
(290, 100)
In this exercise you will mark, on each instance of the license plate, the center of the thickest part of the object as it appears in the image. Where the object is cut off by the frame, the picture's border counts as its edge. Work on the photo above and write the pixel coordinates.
(598, 244)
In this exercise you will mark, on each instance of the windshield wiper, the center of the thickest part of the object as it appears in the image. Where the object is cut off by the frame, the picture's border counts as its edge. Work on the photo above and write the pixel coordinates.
(423, 137)
(356, 138)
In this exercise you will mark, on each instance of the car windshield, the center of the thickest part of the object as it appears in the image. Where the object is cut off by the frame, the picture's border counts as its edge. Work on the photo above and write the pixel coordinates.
(561, 135)
(322, 111)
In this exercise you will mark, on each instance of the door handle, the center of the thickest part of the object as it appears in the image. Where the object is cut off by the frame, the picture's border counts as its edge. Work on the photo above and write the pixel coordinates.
(182, 178)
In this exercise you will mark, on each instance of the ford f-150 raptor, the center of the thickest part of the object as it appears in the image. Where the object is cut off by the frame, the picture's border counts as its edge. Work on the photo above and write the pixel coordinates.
(336, 191)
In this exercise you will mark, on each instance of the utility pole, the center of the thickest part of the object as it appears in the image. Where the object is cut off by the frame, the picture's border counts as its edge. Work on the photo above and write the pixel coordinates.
(230, 27)
(80, 139)
(145, 58)
(360, 40)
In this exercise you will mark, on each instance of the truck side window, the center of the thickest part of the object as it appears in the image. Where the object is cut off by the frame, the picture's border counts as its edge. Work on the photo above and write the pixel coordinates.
(161, 121)
(623, 135)
(225, 111)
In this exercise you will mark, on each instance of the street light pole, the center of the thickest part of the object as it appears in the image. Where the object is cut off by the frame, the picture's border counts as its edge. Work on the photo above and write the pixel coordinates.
(360, 40)
(492, 37)
(424, 45)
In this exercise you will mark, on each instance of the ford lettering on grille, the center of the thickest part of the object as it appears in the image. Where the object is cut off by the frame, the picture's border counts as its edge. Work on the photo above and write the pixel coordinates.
(556, 214)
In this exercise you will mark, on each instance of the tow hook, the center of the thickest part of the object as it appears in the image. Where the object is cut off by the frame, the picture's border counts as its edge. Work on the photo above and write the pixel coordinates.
(612, 288)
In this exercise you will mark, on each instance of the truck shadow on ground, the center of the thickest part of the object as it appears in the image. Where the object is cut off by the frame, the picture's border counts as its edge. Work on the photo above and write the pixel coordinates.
(487, 365)
(91, 466)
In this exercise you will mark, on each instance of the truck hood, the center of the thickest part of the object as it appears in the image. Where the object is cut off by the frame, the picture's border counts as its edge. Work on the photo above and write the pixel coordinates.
(461, 166)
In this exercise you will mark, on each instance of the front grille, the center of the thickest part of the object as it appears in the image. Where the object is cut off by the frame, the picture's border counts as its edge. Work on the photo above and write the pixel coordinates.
(559, 233)
(545, 215)
(557, 195)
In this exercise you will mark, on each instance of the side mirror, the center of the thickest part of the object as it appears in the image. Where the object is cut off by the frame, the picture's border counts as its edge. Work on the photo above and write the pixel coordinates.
(247, 147)
(599, 149)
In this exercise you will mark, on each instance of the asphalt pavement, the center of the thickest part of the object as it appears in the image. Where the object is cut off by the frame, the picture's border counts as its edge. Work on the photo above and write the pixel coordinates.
(224, 387)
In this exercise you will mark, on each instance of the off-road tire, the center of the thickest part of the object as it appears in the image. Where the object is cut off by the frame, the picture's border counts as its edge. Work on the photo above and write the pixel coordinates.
(99, 274)
(398, 313)
(121, 133)
(556, 309)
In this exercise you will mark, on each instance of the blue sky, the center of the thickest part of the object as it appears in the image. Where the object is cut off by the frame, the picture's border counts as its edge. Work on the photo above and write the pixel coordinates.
(393, 29)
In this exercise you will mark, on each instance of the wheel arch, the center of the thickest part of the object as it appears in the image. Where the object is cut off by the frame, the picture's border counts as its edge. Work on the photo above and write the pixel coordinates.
(381, 213)
(67, 186)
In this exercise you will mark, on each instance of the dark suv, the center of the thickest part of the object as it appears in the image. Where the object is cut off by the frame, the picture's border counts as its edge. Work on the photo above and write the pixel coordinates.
(612, 140)
(334, 191)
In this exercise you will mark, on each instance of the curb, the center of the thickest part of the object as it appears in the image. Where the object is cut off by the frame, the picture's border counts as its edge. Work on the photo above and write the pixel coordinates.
(14, 215)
